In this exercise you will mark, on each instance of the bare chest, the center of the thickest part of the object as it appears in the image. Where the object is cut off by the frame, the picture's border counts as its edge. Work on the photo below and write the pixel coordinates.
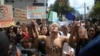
(54, 47)
(56, 42)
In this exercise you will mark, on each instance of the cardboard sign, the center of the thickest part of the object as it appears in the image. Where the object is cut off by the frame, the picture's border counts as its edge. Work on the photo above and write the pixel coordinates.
(6, 16)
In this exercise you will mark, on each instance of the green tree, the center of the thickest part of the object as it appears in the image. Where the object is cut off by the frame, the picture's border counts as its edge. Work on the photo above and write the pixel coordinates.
(95, 12)
(61, 7)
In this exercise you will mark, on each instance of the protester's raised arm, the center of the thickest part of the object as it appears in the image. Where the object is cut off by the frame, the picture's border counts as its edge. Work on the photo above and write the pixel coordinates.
(65, 39)
(73, 37)
(35, 31)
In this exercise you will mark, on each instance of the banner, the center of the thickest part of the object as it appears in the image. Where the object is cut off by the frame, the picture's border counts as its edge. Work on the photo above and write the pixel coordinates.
(36, 12)
(61, 23)
(6, 16)
(20, 14)
(53, 17)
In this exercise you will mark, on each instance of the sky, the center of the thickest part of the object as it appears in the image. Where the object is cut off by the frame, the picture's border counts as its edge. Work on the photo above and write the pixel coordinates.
(78, 4)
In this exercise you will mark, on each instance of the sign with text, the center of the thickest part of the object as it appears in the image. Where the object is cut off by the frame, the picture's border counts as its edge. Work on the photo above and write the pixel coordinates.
(6, 16)
(20, 14)
(36, 12)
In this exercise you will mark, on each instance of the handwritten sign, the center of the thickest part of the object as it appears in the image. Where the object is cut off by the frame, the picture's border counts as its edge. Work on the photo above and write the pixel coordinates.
(20, 14)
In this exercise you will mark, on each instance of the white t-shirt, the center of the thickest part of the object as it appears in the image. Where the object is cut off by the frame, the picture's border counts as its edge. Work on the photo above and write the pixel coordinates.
(66, 48)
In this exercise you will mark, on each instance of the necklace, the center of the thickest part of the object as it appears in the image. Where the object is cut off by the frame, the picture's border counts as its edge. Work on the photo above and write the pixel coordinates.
(54, 48)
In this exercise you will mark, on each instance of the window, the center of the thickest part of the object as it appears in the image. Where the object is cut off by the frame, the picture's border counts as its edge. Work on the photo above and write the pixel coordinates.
(9, 1)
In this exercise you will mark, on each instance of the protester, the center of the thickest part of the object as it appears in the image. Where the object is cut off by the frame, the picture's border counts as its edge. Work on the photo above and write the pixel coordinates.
(78, 38)
(54, 43)
(92, 48)
(11, 35)
(4, 44)
(66, 48)
(41, 47)
(91, 32)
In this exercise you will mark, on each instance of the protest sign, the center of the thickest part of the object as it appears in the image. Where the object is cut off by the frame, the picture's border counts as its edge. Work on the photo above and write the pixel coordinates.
(36, 12)
(6, 16)
(20, 14)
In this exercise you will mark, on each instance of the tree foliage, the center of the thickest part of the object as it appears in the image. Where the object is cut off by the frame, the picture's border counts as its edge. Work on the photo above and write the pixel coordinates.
(62, 6)
(95, 10)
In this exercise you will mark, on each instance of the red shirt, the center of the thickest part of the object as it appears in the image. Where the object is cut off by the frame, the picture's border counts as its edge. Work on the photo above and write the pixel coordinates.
(25, 34)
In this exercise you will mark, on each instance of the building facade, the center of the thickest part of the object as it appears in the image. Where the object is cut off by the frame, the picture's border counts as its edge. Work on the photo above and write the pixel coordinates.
(23, 4)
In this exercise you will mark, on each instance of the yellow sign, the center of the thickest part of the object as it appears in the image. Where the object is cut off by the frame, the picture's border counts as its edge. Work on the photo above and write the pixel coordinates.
(6, 23)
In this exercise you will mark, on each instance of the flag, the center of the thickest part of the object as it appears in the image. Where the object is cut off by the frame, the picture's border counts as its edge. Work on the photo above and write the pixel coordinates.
(70, 16)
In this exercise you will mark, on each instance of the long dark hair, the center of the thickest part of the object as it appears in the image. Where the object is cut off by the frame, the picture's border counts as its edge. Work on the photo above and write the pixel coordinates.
(97, 31)
(92, 26)
(47, 29)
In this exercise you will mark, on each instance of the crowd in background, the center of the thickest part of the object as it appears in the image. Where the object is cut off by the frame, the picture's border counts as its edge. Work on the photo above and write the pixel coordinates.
(79, 33)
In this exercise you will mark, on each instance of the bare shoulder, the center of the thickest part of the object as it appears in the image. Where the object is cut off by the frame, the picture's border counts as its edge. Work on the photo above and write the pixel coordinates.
(64, 38)
(42, 37)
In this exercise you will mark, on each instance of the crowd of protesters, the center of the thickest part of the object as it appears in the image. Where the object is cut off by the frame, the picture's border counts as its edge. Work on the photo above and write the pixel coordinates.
(51, 39)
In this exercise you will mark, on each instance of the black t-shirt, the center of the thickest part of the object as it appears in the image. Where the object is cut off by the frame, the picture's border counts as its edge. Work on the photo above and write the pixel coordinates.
(81, 43)
(4, 44)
